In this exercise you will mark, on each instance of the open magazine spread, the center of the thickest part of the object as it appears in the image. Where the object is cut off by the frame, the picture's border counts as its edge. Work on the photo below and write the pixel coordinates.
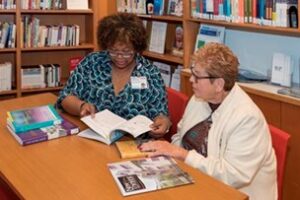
(148, 174)
(108, 127)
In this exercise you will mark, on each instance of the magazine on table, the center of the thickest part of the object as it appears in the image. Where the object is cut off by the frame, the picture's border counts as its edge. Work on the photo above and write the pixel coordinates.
(108, 127)
(148, 174)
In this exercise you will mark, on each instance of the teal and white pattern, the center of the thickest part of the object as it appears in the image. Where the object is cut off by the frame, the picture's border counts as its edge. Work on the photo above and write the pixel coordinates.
(91, 81)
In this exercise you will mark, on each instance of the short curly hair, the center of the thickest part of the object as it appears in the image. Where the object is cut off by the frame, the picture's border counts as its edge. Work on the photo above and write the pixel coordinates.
(218, 61)
(122, 27)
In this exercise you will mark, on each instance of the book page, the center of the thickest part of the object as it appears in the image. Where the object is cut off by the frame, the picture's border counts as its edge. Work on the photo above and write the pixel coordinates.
(104, 122)
(90, 134)
(136, 125)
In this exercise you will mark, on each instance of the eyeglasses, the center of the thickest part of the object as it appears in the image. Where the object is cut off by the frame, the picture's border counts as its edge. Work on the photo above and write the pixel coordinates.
(197, 77)
(115, 54)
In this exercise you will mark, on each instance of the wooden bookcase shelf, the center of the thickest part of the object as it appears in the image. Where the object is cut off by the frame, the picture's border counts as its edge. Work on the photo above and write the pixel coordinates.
(20, 56)
(164, 57)
(60, 12)
(249, 27)
(10, 11)
(277, 111)
(60, 48)
(166, 18)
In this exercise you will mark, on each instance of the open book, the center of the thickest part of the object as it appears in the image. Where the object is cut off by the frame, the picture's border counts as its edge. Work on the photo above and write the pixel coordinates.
(108, 127)
(148, 174)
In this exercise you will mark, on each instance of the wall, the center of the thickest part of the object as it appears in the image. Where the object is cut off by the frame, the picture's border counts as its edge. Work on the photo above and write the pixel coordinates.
(255, 50)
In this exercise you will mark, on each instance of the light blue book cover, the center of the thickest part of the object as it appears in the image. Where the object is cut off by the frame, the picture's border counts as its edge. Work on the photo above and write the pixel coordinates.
(159, 7)
(33, 118)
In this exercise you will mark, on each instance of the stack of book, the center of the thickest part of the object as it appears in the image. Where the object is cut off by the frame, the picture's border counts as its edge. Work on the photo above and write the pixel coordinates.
(37, 124)
(40, 76)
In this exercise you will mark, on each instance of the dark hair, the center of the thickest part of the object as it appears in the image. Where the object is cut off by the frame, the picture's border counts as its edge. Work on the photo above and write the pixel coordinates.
(122, 27)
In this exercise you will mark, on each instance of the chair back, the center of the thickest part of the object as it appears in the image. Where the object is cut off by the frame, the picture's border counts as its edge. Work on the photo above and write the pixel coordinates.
(177, 102)
(6, 193)
(280, 144)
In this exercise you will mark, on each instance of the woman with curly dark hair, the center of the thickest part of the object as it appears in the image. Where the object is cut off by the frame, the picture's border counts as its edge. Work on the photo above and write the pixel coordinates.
(118, 78)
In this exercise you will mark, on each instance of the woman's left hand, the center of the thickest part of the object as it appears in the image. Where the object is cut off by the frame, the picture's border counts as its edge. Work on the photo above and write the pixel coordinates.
(160, 126)
(159, 147)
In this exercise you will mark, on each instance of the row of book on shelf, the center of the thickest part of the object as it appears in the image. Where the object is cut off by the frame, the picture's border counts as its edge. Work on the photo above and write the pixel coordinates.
(264, 12)
(54, 4)
(40, 76)
(6, 77)
(45, 4)
(42, 123)
(7, 4)
(151, 7)
(42, 4)
(7, 35)
(36, 35)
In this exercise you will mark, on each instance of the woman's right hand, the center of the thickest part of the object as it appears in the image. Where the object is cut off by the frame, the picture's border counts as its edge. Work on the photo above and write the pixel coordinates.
(87, 109)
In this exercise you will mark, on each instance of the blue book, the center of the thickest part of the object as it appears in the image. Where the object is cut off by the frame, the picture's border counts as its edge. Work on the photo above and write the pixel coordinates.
(158, 7)
(33, 118)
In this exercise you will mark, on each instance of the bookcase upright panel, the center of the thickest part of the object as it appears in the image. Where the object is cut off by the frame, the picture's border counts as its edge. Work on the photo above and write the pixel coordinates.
(86, 19)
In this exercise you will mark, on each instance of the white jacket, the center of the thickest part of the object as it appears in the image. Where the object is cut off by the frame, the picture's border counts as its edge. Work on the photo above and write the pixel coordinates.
(240, 150)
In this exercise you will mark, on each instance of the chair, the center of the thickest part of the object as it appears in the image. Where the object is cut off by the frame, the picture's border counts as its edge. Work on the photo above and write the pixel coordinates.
(177, 102)
(6, 193)
(279, 142)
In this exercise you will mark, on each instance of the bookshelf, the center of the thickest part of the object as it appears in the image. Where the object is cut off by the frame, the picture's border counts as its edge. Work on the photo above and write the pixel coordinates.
(278, 110)
(21, 56)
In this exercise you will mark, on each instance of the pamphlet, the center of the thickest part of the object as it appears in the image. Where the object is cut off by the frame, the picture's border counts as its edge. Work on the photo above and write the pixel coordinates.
(209, 33)
(148, 174)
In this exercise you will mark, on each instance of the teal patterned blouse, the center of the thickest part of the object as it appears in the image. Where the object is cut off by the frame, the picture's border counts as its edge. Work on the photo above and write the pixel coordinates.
(91, 82)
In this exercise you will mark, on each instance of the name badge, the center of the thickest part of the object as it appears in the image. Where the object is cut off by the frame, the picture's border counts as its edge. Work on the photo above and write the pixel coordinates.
(139, 82)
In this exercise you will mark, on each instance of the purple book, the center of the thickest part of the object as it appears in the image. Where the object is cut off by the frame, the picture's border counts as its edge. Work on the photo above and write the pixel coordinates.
(46, 133)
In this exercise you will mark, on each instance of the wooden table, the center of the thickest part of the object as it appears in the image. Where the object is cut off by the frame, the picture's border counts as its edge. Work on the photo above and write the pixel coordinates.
(76, 168)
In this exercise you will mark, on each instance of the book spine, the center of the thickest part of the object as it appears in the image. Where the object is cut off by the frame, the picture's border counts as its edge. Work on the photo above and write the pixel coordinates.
(35, 140)
(23, 128)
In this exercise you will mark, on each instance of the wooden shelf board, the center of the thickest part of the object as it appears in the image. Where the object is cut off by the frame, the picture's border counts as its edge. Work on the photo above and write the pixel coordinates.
(8, 50)
(8, 11)
(66, 12)
(86, 46)
(41, 89)
(162, 18)
(8, 92)
(249, 26)
(164, 57)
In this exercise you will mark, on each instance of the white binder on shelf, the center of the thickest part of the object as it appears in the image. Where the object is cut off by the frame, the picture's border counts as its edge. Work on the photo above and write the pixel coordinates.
(158, 37)
(282, 69)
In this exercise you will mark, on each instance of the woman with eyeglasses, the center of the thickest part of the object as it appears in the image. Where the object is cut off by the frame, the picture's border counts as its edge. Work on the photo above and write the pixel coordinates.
(222, 132)
(118, 78)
